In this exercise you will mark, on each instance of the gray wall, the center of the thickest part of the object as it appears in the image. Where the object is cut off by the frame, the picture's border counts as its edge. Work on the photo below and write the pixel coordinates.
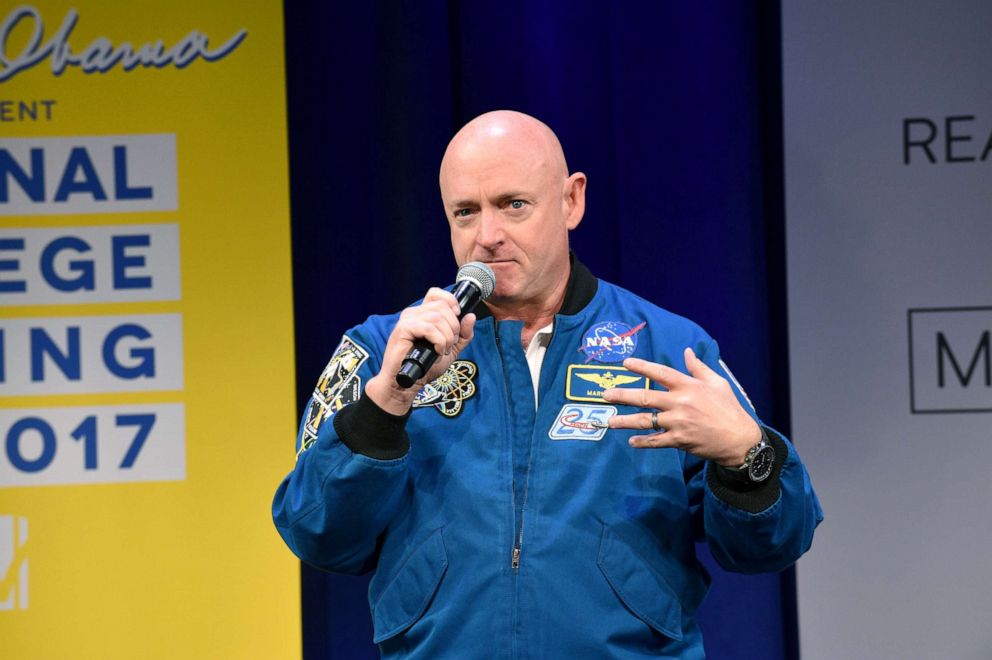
(901, 567)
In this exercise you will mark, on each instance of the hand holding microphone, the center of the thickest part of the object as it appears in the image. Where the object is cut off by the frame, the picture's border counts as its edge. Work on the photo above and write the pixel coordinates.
(428, 337)
(475, 281)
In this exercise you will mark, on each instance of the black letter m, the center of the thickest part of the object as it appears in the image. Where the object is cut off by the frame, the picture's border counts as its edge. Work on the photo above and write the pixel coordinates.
(943, 348)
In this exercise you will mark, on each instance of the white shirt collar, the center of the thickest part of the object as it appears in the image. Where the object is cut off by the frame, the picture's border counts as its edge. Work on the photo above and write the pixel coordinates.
(536, 349)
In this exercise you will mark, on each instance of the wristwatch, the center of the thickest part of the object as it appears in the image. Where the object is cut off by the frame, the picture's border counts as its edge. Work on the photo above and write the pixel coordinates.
(759, 461)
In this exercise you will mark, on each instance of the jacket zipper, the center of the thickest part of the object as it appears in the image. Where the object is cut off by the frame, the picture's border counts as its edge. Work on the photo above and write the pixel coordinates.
(515, 557)
(519, 536)
(519, 541)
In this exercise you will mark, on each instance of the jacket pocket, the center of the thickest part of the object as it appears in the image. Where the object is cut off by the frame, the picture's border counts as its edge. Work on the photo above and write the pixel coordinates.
(408, 594)
(644, 591)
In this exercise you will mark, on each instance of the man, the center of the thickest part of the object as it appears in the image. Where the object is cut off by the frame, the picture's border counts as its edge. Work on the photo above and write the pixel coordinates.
(539, 492)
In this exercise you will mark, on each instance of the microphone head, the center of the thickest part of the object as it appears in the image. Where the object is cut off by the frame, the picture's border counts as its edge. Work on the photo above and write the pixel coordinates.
(479, 274)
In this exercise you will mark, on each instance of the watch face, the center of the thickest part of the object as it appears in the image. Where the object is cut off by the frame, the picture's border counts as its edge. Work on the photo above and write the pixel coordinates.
(762, 464)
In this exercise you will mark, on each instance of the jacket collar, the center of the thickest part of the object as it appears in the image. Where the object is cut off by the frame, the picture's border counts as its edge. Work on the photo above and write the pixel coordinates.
(579, 291)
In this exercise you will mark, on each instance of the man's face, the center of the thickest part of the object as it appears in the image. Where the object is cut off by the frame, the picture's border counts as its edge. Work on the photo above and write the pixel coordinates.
(510, 206)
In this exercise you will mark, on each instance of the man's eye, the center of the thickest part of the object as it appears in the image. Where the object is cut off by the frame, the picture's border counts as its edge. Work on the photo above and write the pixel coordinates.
(517, 204)
(463, 213)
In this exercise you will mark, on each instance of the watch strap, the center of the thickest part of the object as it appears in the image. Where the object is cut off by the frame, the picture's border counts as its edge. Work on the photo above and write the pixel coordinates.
(734, 487)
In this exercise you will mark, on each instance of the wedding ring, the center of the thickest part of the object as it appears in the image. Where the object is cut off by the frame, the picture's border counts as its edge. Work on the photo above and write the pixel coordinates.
(654, 421)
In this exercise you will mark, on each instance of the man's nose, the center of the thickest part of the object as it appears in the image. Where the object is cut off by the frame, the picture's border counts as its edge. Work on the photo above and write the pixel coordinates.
(490, 230)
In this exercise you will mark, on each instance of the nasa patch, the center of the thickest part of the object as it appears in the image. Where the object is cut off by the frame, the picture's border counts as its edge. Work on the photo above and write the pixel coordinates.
(610, 341)
(581, 421)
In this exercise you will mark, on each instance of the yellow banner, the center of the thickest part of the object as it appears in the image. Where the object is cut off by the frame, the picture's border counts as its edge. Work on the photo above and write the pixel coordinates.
(146, 384)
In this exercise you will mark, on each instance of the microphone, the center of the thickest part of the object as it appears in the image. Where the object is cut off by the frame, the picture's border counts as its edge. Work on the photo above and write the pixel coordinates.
(475, 281)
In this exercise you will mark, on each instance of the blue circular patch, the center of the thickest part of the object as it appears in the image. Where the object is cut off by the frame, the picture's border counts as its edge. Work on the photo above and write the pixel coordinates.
(610, 341)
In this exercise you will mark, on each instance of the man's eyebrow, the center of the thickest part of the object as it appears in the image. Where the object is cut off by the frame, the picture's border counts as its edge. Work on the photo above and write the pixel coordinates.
(502, 197)
(512, 194)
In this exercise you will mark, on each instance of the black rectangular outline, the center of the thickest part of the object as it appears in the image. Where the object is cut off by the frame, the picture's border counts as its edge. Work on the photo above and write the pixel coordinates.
(912, 389)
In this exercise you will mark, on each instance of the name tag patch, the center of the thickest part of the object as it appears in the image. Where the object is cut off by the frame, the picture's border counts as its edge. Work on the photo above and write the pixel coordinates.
(586, 382)
(581, 421)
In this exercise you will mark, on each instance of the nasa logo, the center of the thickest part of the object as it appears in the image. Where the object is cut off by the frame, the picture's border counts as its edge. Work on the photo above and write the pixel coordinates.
(610, 341)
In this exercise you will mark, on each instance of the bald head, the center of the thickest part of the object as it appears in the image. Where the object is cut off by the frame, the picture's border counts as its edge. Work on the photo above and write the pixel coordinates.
(511, 134)
(511, 203)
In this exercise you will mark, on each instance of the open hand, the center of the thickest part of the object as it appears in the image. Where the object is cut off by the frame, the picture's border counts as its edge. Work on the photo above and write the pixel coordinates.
(697, 412)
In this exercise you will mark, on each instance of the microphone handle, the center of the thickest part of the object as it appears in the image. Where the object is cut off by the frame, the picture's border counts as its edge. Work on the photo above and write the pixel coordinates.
(417, 362)
(421, 357)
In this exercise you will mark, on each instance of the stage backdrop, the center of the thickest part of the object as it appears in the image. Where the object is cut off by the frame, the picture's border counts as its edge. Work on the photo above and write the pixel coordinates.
(145, 331)
(888, 115)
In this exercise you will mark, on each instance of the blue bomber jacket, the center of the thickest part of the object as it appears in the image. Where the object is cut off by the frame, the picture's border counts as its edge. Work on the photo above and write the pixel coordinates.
(499, 530)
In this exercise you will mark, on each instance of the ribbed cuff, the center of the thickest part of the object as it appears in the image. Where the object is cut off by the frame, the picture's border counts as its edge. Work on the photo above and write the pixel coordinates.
(369, 430)
(736, 489)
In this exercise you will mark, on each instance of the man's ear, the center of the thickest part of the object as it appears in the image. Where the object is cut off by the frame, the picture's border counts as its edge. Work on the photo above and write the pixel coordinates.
(574, 199)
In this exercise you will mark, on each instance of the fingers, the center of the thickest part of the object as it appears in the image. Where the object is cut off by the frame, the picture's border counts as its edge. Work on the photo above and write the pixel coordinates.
(667, 376)
(444, 304)
(653, 438)
(697, 413)
(466, 331)
(435, 321)
(696, 367)
(434, 294)
(438, 335)
(655, 441)
(638, 398)
(656, 434)
(644, 421)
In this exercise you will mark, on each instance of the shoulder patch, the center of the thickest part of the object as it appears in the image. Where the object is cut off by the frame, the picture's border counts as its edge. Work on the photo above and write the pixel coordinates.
(338, 385)
(448, 391)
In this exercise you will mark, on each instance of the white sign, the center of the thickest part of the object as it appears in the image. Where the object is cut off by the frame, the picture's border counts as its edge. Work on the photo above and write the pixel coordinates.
(888, 171)
(107, 174)
(90, 354)
(69, 265)
(92, 444)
